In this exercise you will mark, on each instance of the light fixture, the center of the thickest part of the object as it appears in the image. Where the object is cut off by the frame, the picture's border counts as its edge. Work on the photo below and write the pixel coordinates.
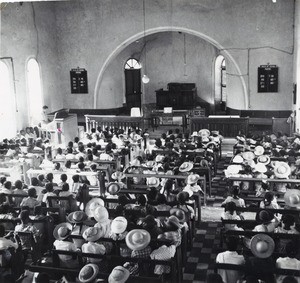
(145, 78)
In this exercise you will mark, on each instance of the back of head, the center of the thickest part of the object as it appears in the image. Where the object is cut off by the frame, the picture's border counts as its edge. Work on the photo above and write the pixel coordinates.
(214, 278)
(141, 200)
(32, 192)
(49, 187)
(18, 184)
(7, 185)
(24, 216)
(75, 178)
(232, 243)
(230, 206)
(289, 279)
(291, 249)
(64, 177)
(68, 164)
(269, 197)
(182, 197)
(65, 187)
(161, 199)
(49, 177)
(34, 181)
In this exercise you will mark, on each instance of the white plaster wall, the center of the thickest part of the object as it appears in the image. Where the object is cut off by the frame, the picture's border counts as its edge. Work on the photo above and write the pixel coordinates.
(92, 33)
(296, 62)
(21, 41)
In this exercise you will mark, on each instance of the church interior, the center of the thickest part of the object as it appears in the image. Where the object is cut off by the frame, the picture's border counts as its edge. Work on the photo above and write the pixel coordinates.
(153, 140)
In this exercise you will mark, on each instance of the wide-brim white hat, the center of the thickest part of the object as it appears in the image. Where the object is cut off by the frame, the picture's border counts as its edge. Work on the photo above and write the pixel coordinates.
(77, 217)
(93, 234)
(159, 158)
(259, 150)
(88, 273)
(186, 166)
(118, 176)
(261, 168)
(153, 182)
(62, 231)
(101, 214)
(204, 133)
(292, 198)
(192, 179)
(119, 225)
(113, 188)
(194, 134)
(137, 239)
(282, 170)
(263, 159)
(119, 275)
(238, 159)
(248, 155)
(92, 205)
(233, 169)
(262, 245)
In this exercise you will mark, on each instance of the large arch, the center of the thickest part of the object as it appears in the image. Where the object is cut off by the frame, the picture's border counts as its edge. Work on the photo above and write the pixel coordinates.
(141, 34)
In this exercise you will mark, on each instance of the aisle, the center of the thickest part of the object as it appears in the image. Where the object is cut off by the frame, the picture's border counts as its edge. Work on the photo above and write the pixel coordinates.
(203, 254)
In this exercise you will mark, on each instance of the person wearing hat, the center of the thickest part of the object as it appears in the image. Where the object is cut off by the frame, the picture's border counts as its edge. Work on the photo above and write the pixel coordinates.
(77, 218)
(138, 241)
(172, 230)
(92, 235)
(230, 256)
(118, 275)
(184, 204)
(61, 233)
(292, 198)
(261, 264)
(88, 273)
(150, 224)
(290, 261)
(192, 183)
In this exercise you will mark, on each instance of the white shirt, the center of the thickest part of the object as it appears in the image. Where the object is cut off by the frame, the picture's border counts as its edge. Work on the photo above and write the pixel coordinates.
(288, 263)
(229, 257)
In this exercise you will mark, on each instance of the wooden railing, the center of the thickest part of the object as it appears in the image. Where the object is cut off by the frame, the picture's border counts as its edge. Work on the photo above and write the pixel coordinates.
(121, 122)
(228, 127)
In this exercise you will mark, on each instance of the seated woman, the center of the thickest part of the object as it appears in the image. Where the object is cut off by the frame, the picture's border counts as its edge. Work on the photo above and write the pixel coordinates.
(269, 201)
(161, 203)
(30, 201)
(230, 214)
(268, 222)
(235, 198)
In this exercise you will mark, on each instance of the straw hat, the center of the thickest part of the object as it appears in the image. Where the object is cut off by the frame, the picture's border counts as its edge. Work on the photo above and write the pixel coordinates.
(194, 134)
(118, 175)
(92, 234)
(118, 275)
(233, 169)
(113, 188)
(238, 159)
(241, 139)
(248, 155)
(259, 150)
(282, 170)
(292, 198)
(260, 167)
(62, 231)
(179, 213)
(135, 162)
(262, 245)
(92, 205)
(159, 158)
(77, 217)
(186, 166)
(263, 159)
(137, 239)
(88, 273)
(204, 133)
(93, 248)
(119, 225)
(101, 214)
(153, 182)
(150, 163)
(173, 220)
(192, 179)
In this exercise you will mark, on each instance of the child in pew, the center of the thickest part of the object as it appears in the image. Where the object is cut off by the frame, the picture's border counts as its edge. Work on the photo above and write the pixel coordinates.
(230, 214)
(68, 205)
(49, 193)
(269, 201)
(18, 190)
(235, 198)
(30, 201)
(40, 190)
(59, 154)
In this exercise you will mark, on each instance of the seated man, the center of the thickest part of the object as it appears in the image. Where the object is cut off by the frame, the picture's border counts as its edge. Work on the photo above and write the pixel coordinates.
(230, 257)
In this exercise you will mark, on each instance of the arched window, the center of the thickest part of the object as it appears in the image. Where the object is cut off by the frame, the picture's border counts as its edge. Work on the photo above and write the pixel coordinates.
(220, 84)
(132, 83)
(8, 127)
(35, 99)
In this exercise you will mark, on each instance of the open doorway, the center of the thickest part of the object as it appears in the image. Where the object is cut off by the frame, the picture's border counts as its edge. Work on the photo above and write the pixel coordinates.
(132, 83)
